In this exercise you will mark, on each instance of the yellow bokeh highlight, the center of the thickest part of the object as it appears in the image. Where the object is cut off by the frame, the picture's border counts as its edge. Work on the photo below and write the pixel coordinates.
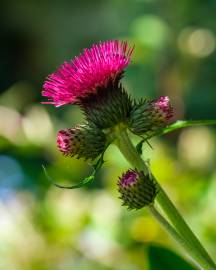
(144, 229)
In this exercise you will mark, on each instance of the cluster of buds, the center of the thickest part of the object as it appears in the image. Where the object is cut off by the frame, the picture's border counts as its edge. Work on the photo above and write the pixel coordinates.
(93, 82)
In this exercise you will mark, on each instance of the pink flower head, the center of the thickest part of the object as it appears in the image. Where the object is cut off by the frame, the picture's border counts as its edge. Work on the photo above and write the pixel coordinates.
(162, 109)
(129, 178)
(79, 77)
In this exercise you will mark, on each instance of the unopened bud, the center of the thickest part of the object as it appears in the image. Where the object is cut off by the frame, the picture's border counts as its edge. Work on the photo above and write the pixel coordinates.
(137, 190)
(82, 141)
(148, 116)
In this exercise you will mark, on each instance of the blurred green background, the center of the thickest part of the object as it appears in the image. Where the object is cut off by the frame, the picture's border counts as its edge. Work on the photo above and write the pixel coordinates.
(45, 228)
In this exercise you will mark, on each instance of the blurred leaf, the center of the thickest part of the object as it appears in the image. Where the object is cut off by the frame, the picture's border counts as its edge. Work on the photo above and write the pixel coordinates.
(161, 258)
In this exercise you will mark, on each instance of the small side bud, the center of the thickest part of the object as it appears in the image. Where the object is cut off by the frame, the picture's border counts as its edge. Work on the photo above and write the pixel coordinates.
(81, 141)
(148, 116)
(136, 189)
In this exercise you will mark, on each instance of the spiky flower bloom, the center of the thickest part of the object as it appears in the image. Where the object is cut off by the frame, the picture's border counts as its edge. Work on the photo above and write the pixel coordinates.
(82, 141)
(93, 69)
(149, 116)
(136, 189)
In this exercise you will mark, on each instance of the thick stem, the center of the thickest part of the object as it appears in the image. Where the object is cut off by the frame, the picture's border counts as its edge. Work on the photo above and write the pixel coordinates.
(197, 250)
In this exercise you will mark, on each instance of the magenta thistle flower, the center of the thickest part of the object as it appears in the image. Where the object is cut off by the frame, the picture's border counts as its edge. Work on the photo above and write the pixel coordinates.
(149, 116)
(83, 75)
(81, 141)
(136, 189)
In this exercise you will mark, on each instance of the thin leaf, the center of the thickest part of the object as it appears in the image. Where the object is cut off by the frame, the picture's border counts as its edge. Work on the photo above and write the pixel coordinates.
(85, 181)
(177, 125)
(182, 124)
(139, 147)
(80, 184)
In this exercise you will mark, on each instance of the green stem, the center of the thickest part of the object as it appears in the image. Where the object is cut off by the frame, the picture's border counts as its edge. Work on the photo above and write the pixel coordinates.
(197, 251)
(169, 228)
(182, 227)
(181, 124)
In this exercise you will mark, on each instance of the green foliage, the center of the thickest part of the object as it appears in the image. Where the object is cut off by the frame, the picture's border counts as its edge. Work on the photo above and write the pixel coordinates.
(161, 258)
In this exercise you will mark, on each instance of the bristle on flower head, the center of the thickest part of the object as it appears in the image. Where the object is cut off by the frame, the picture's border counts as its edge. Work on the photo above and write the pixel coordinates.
(78, 77)
(136, 189)
(81, 141)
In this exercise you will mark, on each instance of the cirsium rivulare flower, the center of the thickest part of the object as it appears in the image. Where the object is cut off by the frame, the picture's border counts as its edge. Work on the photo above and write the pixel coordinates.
(148, 116)
(82, 141)
(136, 189)
(83, 75)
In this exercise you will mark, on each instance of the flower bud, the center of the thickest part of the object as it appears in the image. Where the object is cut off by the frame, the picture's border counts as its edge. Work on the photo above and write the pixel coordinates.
(81, 141)
(148, 116)
(137, 190)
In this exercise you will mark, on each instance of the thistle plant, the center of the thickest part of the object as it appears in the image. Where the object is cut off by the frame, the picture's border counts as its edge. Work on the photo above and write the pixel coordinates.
(93, 82)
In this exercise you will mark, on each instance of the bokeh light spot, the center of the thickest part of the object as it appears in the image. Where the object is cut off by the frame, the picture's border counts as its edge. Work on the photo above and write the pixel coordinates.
(151, 31)
(197, 42)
